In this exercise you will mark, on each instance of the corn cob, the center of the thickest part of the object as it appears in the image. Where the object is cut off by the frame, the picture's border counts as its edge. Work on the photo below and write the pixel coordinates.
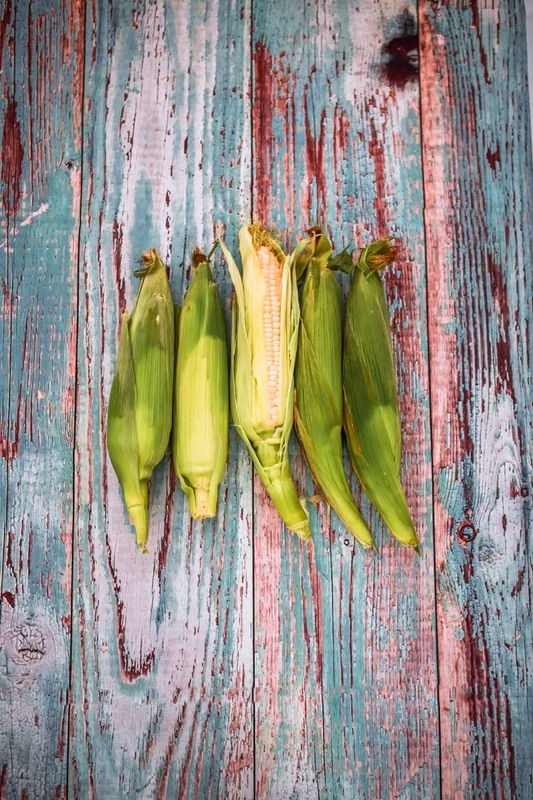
(201, 401)
(318, 379)
(139, 415)
(263, 351)
(371, 417)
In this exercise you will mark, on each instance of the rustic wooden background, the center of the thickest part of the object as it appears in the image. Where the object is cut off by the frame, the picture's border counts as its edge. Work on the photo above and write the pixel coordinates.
(233, 661)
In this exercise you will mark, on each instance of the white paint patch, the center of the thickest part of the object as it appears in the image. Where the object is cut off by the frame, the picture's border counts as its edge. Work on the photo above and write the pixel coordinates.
(37, 213)
(41, 210)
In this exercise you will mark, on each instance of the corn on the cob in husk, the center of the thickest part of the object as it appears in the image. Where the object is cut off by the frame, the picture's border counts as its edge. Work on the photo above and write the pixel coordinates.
(263, 352)
(371, 417)
(201, 395)
(318, 378)
(139, 414)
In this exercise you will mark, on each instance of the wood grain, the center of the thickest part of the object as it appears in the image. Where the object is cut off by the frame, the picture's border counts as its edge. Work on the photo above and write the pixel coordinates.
(162, 650)
(41, 47)
(346, 669)
(478, 171)
(233, 661)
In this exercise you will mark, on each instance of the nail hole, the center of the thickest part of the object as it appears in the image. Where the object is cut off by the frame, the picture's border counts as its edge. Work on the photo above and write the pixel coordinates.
(347, 542)
(466, 532)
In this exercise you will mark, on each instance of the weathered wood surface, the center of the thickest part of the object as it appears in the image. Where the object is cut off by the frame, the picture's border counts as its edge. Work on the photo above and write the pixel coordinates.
(346, 646)
(162, 646)
(234, 661)
(477, 167)
(41, 53)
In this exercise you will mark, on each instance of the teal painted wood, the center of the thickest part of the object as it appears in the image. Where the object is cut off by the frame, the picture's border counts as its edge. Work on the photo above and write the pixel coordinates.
(233, 661)
(6, 106)
(346, 670)
(478, 169)
(162, 644)
(41, 49)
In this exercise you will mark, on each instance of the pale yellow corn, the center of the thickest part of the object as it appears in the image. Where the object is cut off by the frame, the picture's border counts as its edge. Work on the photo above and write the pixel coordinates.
(263, 354)
(266, 353)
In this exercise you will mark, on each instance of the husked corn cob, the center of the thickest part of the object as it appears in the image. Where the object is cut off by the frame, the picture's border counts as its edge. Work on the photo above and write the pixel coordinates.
(263, 352)
(318, 380)
(201, 395)
(139, 415)
(371, 417)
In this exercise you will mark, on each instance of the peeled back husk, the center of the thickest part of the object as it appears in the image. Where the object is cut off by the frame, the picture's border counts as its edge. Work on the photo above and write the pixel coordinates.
(264, 429)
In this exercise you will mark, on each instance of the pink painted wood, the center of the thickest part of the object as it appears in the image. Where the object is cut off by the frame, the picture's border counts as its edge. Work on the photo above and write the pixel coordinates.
(234, 661)
(346, 638)
(477, 167)
(41, 90)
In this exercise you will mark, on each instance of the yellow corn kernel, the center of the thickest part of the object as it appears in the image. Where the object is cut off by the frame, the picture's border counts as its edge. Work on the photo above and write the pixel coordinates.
(263, 352)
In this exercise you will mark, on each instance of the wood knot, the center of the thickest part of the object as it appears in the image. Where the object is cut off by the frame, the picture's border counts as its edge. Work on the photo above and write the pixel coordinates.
(29, 643)
(400, 63)
(466, 532)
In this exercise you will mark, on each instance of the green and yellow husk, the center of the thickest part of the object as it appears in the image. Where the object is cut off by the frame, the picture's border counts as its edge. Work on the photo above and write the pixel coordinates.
(263, 423)
(371, 417)
(318, 379)
(201, 395)
(139, 414)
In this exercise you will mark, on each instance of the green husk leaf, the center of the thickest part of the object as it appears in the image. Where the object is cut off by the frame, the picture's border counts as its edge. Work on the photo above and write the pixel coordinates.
(318, 395)
(342, 262)
(371, 417)
(140, 403)
(322, 446)
(201, 402)
(122, 443)
(152, 344)
(268, 448)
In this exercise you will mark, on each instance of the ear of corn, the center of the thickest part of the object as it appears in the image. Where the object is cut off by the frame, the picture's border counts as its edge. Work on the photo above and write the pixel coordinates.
(263, 352)
(140, 404)
(318, 381)
(122, 443)
(371, 417)
(201, 401)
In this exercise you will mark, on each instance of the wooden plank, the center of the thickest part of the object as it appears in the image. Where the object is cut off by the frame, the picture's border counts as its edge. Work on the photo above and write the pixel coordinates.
(346, 679)
(41, 46)
(478, 179)
(162, 651)
(9, 195)
(345, 671)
